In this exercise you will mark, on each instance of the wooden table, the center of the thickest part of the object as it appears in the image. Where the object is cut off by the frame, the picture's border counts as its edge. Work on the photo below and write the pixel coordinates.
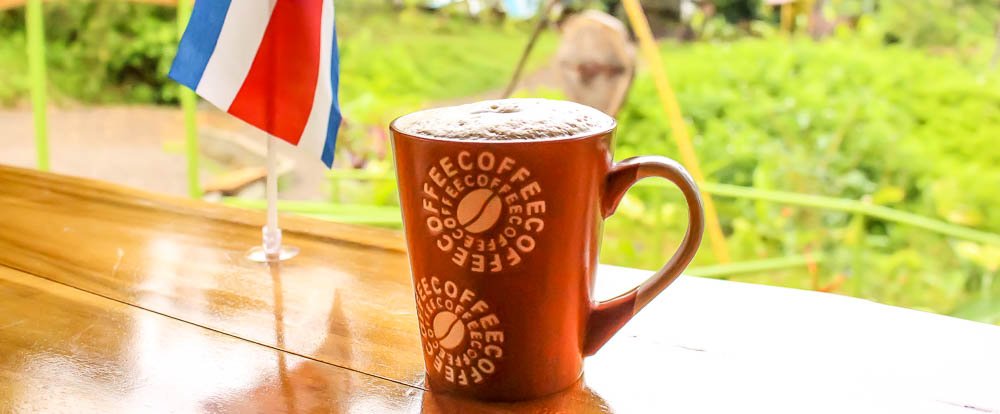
(115, 300)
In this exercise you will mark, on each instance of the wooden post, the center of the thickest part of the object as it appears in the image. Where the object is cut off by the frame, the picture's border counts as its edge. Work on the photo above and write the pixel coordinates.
(189, 104)
(36, 68)
(677, 126)
(543, 20)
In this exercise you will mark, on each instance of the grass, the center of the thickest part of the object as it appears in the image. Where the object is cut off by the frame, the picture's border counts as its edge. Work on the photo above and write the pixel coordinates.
(394, 63)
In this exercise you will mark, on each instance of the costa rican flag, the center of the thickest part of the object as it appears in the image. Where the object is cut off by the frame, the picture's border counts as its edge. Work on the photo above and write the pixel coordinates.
(271, 63)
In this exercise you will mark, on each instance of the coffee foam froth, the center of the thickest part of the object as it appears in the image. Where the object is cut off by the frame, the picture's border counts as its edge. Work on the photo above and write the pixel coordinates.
(506, 119)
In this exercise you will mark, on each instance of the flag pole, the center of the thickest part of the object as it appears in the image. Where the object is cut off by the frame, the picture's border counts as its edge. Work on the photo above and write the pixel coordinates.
(272, 233)
(271, 249)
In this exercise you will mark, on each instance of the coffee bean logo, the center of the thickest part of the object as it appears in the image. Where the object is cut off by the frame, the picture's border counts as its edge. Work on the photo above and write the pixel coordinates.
(479, 210)
(448, 330)
(484, 210)
(460, 331)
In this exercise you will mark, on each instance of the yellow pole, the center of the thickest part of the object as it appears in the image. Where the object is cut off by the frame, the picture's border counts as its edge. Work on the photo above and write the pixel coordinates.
(640, 25)
(787, 16)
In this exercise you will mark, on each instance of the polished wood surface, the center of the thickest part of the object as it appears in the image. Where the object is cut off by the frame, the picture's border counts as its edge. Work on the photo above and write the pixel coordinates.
(114, 300)
(186, 259)
(62, 348)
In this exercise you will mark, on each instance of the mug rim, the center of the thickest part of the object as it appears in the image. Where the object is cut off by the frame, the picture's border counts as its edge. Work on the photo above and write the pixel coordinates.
(577, 137)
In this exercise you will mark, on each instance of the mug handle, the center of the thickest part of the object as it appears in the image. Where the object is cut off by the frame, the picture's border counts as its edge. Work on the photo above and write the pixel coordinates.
(607, 317)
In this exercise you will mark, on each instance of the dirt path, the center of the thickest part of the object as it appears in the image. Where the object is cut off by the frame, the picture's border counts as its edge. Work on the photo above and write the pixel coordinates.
(137, 146)
(125, 145)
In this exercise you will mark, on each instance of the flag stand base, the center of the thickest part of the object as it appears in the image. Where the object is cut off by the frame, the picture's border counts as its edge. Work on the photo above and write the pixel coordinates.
(257, 254)
(271, 250)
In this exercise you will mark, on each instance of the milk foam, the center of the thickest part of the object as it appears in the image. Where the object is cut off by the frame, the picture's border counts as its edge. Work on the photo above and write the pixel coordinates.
(506, 119)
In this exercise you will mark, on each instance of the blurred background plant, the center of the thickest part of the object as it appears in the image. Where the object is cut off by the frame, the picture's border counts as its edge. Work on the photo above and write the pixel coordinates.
(884, 104)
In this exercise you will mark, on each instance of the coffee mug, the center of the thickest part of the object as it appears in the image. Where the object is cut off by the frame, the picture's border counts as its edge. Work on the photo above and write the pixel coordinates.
(503, 241)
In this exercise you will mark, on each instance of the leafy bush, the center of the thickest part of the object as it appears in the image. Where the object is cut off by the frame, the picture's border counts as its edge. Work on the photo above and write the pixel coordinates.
(890, 125)
(106, 51)
(938, 23)
(14, 66)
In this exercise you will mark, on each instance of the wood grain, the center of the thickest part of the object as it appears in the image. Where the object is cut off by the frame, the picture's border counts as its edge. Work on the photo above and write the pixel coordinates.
(185, 258)
(64, 350)
(61, 347)
(344, 312)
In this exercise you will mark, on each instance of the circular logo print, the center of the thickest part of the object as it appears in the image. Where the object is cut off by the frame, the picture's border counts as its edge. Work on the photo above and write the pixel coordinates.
(483, 210)
(479, 210)
(448, 330)
(460, 332)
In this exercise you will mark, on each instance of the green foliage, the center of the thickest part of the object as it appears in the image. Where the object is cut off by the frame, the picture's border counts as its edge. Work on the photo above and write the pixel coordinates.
(888, 125)
(735, 11)
(922, 22)
(14, 66)
(97, 51)
(913, 127)
(115, 51)
(392, 64)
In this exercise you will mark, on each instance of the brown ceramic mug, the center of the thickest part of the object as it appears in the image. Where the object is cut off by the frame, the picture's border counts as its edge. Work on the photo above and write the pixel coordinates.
(503, 241)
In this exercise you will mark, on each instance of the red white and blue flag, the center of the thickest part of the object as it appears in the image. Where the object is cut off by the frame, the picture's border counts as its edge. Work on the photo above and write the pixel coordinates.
(271, 63)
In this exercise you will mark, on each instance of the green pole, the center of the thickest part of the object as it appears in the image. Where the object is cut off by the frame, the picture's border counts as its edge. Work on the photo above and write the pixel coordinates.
(36, 68)
(189, 105)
